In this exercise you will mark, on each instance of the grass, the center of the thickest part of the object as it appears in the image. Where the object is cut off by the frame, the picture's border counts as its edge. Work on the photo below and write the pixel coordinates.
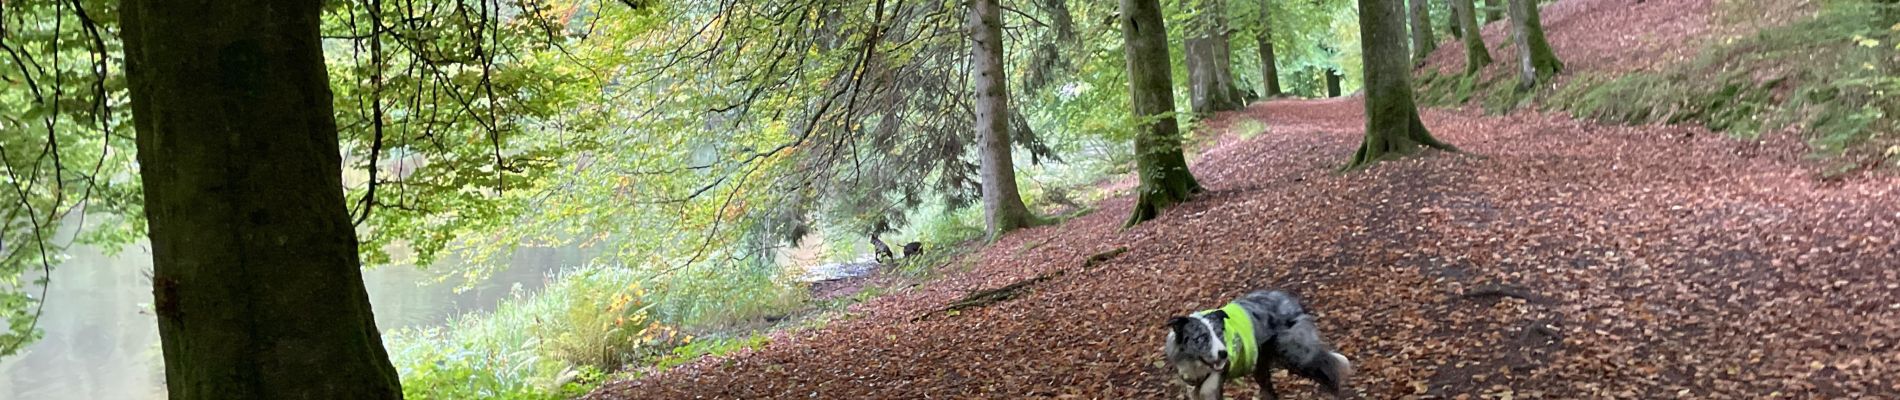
(589, 321)
(705, 348)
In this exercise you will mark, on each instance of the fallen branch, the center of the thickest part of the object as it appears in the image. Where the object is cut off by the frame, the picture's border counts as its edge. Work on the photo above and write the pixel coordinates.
(1492, 291)
(1011, 291)
(1103, 257)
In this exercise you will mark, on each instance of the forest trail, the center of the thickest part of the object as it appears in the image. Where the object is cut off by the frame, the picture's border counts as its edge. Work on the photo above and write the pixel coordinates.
(1654, 260)
(1561, 259)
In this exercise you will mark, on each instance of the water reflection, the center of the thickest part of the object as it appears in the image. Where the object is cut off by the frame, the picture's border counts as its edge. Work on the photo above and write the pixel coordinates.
(101, 340)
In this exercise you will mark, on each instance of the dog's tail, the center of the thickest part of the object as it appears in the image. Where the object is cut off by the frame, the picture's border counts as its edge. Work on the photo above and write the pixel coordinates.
(1304, 353)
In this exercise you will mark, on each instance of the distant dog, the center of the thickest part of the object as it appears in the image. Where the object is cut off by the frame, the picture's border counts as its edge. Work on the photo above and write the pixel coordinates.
(1251, 336)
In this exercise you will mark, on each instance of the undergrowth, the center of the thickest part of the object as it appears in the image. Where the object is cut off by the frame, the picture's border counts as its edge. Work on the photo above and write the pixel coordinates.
(1832, 77)
(558, 343)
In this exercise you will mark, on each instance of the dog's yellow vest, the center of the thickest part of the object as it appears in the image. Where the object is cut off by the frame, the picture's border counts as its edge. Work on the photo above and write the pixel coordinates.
(1238, 335)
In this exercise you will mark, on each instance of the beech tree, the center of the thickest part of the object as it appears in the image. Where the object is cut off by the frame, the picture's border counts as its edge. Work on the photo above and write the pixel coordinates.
(1165, 179)
(1476, 56)
(1423, 43)
(1269, 72)
(1211, 85)
(256, 280)
(1536, 60)
(1392, 124)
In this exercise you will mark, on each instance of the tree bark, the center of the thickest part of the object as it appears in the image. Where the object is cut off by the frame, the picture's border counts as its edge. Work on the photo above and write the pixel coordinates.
(1332, 82)
(1210, 73)
(1536, 61)
(256, 282)
(1269, 70)
(1452, 26)
(1493, 11)
(1003, 208)
(1392, 124)
(1476, 55)
(1165, 179)
(1422, 41)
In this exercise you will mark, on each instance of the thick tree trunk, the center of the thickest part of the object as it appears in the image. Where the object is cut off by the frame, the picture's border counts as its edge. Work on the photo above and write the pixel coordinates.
(1494, 10)
(1269, 70)
(255, 281)
(1210, 72)
(1423, 43)
(1332, 82)
(1476, 56)
(1536, 61)
(1392, 124)
(1163, 170)
(1003, 208)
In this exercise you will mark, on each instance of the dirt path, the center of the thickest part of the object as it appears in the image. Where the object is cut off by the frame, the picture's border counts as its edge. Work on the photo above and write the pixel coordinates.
(1658, 262)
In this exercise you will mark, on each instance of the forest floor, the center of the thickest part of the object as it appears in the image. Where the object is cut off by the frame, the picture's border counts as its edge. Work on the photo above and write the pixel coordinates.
(1557, 259)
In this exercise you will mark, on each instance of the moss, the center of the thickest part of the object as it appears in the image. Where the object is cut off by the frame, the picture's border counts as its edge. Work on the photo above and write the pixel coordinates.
(1827, 76)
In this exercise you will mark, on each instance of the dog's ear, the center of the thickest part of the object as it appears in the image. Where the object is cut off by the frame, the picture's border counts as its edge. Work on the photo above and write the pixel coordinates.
(1175, 324)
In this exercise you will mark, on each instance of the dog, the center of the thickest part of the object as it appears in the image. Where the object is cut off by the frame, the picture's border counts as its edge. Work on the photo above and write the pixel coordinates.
(1251, 336)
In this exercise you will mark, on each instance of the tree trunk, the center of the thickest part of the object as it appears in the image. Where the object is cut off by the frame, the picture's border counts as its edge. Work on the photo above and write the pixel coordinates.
(1392, 124)
(1003, 208)
(256, 282)
(1210, 72)
(1422, 41)
(1536, 61)
(1163, 170)
(1269, 70)
(1452, 26)
(1493, 11)
(1332, 82)
(1060, 18)
(1224, 67)
(1476, 56)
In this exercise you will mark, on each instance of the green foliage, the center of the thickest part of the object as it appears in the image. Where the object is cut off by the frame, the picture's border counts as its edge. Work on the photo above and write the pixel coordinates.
(65, 136)
(549, 345)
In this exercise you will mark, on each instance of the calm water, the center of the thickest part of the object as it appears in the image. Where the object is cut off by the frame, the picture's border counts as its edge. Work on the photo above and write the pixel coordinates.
(101, 340)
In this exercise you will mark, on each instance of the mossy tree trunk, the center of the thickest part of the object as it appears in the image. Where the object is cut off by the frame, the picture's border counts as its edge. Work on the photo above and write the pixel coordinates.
(1003, 208)
(1165, 179)
(1392, 125)
(256, 283)
(1536, 61)
(1476, 56)
(1210, 65)
(1423, 43)
(1269, 70)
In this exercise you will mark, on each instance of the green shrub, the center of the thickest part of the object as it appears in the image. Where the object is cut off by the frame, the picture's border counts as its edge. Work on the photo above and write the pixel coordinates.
(604, 321)
(551, 345)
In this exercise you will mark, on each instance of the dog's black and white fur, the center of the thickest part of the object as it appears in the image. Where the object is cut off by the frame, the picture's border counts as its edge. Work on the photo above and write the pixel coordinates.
(1284, 334)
